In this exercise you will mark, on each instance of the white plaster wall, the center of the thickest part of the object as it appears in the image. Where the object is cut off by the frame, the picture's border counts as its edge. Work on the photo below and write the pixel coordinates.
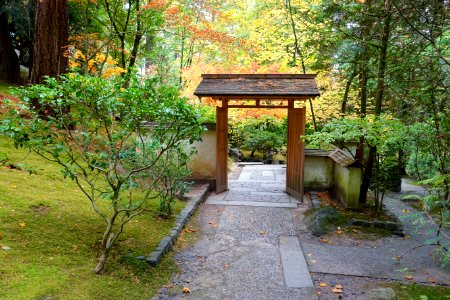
(318, 172)
(203, 164)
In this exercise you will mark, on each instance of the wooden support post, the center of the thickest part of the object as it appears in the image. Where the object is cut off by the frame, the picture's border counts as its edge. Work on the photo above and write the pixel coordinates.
(221, 147)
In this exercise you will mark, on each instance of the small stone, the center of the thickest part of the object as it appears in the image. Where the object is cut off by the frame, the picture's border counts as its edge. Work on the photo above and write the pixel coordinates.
(382, 294)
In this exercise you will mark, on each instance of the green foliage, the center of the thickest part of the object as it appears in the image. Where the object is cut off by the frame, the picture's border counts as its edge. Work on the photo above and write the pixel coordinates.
(384, 132)
(100, 140)
(207, 113)
(266, 133)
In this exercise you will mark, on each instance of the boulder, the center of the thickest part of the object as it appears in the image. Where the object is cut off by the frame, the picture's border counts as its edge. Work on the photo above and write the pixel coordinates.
(323, 220)
(235, 154)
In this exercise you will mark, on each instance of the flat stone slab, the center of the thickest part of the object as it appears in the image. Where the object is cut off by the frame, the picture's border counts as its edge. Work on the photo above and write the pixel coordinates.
(253, 203)
(295, 269)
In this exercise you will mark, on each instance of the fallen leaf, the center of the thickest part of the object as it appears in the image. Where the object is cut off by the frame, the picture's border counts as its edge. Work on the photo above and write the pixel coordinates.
(6, 248)
(318, 292)
(405, 211)
(309, 254)
(339, 232)
(75, 248)
(262, 232)
(22, 224)
(225, 267)
(431, 280)
(313, 261)
(14, 186)
(186, 290)
(337, 291)
(409, 277)
(323, 284)
(325, 241)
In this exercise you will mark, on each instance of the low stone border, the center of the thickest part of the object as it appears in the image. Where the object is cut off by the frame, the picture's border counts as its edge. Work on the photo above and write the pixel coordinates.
(396, 227)
(196, 196)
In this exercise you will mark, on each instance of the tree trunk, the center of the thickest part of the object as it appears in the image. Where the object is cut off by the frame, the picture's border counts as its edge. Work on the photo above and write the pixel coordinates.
(50, 42)
(9, 62)
(101, 263)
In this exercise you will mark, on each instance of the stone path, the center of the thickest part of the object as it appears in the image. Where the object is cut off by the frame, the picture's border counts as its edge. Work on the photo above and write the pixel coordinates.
(246, 251)
(257, 185)
(253, 244)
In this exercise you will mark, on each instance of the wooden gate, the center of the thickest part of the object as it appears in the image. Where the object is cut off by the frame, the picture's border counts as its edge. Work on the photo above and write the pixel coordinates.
(295, 152)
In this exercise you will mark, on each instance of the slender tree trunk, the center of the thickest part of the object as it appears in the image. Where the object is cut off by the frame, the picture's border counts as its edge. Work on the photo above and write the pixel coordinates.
(9, 62)
(347, 91)
(378, 100)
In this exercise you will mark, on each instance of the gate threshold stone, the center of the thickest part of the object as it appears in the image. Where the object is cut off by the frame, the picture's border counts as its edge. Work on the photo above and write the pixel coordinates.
(295, 269)
(253, 203)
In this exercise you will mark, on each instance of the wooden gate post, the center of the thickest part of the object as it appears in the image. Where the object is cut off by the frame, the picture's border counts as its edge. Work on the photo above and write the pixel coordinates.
(221, 148)
(295, 152)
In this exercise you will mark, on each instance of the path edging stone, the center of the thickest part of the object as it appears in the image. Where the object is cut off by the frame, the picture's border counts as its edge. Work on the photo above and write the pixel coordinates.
(167, 242)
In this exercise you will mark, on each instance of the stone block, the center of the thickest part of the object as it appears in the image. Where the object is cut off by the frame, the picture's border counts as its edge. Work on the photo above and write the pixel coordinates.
(154, 258)
(165, 244)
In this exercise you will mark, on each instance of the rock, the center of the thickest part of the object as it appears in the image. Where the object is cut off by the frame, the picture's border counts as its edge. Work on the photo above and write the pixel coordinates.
(363, 223)
(235, 154)
(382, 294)
(324, 220)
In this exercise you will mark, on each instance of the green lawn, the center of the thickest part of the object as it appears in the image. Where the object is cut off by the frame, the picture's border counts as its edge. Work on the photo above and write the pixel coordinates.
(54, 235)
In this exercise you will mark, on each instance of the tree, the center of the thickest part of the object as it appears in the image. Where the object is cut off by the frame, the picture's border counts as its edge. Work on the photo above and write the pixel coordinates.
(103, 143)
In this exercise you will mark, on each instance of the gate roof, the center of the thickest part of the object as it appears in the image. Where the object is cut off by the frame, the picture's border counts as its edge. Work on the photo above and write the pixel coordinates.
(258, 86)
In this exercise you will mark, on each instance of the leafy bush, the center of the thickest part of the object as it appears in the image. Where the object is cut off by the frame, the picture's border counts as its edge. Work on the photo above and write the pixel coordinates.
(99, 138)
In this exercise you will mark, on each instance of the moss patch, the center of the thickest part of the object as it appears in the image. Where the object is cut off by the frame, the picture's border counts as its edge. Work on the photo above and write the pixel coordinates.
(420, 292)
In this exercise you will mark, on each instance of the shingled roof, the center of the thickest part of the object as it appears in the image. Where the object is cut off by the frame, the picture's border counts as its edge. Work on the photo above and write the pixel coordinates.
(282, 86)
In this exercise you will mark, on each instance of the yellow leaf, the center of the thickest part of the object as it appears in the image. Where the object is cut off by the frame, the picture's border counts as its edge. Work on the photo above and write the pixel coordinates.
(14, 186)
(75, 248)
(22, 224)
(323, 284)
(186, 290)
